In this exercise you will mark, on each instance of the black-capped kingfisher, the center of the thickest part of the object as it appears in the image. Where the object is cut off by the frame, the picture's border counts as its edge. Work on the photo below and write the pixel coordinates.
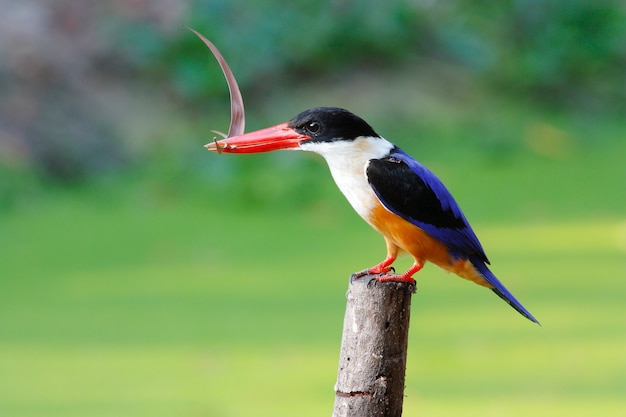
(398, 196)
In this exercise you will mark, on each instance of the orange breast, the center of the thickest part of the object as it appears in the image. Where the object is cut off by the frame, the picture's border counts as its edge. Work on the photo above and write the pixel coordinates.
(419, 244)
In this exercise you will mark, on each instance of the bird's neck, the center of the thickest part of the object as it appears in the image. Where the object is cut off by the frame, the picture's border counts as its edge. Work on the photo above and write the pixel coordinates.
(347, 161)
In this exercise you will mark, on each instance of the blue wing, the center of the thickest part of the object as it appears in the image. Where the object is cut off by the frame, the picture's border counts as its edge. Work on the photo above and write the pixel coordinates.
(410, 190)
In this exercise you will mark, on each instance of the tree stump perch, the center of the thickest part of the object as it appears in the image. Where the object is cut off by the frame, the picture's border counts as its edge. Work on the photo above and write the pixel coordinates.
(372, 362)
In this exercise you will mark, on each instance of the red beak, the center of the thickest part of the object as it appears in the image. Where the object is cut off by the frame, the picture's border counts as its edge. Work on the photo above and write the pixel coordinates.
(269, 139)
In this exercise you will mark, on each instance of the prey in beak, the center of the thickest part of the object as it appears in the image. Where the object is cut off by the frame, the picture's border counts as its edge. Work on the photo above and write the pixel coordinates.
(273, 138)
(281, 136)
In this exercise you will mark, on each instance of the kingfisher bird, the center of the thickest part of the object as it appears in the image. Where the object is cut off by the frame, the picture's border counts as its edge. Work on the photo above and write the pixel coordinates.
(397, 195)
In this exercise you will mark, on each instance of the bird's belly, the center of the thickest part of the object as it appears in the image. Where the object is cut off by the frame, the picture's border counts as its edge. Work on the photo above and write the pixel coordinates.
(419, 244)
(407, 236)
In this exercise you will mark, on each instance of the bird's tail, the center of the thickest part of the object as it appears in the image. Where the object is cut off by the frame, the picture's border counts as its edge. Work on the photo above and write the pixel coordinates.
(501, 290)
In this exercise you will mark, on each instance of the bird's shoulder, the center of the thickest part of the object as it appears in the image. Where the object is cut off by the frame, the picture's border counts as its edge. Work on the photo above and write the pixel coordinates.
(413, 190)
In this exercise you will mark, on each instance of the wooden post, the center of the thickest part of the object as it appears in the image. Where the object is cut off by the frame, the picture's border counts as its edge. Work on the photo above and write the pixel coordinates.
(372, 362)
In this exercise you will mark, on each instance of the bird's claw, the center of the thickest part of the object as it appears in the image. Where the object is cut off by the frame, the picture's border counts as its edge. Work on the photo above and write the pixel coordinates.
(385, 277)
(400, 278)
(374, 276)
(356, 276)
(394, 278)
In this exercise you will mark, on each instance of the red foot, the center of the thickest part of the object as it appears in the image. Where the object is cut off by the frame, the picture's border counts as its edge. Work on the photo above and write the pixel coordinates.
(381, 268)
(406, 277)
(395, 278)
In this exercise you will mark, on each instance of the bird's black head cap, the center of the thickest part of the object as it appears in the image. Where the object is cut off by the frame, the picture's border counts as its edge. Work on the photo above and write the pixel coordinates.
(329, 124)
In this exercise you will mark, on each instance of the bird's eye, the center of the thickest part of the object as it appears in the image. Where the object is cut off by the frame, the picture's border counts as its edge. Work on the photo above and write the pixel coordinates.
(312, 127)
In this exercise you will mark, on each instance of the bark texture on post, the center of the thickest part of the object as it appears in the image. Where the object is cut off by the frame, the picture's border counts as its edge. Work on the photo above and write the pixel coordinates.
(372, 362)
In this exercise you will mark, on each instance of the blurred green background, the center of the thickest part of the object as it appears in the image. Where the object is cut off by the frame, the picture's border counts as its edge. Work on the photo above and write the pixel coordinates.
(142, 276)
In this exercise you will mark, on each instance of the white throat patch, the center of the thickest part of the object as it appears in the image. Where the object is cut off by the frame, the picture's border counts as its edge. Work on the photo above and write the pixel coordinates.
(347, 160)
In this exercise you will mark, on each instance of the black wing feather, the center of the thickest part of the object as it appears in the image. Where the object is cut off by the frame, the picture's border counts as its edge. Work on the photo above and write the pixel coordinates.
(408, 189)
